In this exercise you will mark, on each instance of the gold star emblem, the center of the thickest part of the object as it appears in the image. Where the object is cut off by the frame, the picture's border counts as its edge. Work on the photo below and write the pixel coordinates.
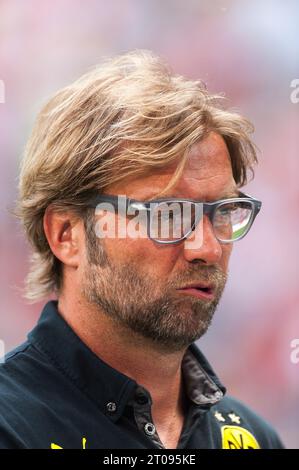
(219, 416)
(234, 418)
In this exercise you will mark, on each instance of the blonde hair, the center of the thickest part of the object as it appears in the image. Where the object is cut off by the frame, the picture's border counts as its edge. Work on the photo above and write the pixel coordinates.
(123, 118)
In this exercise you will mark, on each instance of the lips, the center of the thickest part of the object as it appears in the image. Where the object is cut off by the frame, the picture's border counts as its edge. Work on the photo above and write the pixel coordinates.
(200, 286)
(200, 290)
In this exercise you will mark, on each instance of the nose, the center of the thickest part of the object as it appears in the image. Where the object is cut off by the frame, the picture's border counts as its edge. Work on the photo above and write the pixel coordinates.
(209, 251)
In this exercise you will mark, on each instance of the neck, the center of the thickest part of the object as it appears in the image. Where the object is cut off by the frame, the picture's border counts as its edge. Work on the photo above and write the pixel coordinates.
(152, 367)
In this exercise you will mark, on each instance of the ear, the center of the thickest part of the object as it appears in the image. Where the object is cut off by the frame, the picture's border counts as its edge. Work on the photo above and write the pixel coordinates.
(65, 235)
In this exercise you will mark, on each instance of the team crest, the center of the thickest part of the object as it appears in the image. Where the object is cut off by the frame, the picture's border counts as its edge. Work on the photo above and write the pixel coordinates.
(235, 437)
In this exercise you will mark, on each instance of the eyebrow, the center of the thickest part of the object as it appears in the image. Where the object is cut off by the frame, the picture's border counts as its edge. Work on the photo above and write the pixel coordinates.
(235, 193)
(227, 195)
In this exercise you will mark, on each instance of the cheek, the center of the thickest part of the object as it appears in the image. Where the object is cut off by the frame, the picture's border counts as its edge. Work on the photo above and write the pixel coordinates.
(129, 244)
(226, 252)
(147, 255)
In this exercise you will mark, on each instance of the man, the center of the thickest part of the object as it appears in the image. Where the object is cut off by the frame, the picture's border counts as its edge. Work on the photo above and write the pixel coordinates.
(112, 362)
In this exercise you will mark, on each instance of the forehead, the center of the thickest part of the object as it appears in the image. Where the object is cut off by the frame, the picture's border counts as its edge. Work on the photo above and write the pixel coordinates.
(207, 175)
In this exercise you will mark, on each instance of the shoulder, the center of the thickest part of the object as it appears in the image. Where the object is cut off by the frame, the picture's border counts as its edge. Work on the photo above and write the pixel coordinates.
(13, 368)
(12, 374)
(238, 419)
(23, 381)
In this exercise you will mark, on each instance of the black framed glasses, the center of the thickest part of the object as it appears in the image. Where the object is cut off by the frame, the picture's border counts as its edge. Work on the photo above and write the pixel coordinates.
(172, 220)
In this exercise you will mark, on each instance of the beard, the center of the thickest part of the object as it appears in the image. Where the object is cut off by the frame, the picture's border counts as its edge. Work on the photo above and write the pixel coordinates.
(150, 308)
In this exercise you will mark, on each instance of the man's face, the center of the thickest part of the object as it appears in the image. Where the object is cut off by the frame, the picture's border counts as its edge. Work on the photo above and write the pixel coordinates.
(135, 281)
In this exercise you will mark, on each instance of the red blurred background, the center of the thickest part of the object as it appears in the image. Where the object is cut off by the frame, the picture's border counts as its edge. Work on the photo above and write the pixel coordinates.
(247, 49)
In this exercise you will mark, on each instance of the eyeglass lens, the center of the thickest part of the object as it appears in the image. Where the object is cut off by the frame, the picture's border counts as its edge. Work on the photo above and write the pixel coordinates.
(172, 221)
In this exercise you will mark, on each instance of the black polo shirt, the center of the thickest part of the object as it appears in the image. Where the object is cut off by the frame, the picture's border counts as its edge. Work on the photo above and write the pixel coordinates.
(55, 393)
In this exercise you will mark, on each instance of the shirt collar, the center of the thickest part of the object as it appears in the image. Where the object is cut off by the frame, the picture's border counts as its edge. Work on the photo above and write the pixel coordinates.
(102, 383)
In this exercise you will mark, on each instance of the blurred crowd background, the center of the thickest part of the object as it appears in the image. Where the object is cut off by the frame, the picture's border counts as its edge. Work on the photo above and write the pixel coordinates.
(250, 51)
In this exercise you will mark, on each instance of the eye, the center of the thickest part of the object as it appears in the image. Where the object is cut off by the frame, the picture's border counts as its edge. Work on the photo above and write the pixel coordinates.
(227, 209)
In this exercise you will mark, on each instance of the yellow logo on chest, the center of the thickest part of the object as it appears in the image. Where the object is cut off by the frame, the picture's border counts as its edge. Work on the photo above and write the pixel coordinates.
(235, 437)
